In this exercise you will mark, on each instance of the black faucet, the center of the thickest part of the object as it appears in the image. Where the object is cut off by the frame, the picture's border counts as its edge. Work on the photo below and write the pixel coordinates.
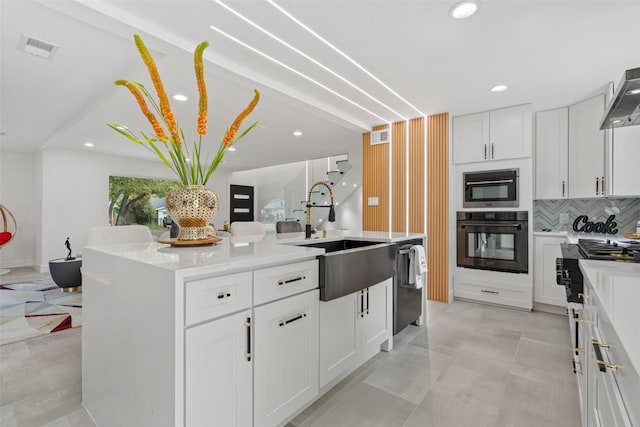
(332, 211)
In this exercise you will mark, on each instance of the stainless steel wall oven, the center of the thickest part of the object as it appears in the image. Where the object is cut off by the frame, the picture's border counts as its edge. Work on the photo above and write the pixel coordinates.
(496, 188)
(496, 241)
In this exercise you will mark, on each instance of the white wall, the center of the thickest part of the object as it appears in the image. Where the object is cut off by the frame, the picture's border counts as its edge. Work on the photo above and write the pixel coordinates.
(17, 193)
(75, 196)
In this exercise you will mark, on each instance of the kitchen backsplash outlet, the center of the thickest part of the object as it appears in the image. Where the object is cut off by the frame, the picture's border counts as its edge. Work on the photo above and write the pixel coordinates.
(547, 213)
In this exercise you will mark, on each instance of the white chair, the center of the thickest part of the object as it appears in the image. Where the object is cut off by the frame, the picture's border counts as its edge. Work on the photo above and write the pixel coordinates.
(109, 235)
(247, 228)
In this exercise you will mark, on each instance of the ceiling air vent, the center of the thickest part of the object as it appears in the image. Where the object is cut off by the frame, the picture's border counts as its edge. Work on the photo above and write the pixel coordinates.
(380, 137)
(37, 47)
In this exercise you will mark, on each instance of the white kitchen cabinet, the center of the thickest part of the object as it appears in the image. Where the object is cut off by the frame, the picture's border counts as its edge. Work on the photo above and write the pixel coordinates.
(587, 154)
(353, 328)
(552, 154)
(493, 135)
(286, 357)
(218, 372)
(470, 138)
(378, 318)
(625, 150)
(545, 289)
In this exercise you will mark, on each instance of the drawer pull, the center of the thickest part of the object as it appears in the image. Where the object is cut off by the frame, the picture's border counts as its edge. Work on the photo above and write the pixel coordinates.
(599, 344)
(298, 317)
(284, 282)
(484, 291)
(602, 365)
(223, 295)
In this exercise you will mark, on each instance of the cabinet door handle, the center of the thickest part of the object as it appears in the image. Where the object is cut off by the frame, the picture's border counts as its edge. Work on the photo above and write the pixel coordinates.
(602, 181)
(284, 282)
(492, 150)
(367, 309)
(293, 319)
(562, 188)
(223, 295)
(597, 186)
(247, 352)
(361, 303)
(484, 291)
(485, 151)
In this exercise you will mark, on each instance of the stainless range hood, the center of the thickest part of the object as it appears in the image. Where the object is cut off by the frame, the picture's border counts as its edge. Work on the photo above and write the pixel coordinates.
(624, 108)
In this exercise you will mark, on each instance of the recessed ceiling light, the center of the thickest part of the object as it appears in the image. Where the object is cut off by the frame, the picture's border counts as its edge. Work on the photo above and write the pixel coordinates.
(232, 148)
(88, 144)
(617, 121)
(633, 92)
(344, 183)
(499, 88)
(297, 133)
(180, 97)
(355, 185)
(464, 9)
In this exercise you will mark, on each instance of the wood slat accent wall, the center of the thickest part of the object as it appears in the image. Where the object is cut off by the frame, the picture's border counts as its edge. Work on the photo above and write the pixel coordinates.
(438, 206)
(416, 175)
(398, 180)
(375, 183)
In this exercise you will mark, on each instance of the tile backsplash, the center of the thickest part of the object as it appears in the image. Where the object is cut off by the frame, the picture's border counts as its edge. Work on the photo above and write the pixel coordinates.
(546, 213)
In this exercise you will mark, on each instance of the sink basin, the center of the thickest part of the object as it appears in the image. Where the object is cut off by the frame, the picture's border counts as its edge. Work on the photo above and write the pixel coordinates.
(352, 265)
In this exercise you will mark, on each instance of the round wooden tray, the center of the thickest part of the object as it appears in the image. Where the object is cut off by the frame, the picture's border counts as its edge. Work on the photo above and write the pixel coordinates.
(632, 235)
(187, 243)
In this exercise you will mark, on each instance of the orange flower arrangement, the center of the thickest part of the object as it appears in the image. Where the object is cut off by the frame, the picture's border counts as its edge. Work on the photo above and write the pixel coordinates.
(167, 133)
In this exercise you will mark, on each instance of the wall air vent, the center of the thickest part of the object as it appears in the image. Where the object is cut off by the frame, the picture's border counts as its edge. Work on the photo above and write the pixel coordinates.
(36, 47)
(380, 137)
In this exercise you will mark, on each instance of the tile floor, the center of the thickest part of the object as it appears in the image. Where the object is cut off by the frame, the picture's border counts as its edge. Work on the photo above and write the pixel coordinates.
(472, 365)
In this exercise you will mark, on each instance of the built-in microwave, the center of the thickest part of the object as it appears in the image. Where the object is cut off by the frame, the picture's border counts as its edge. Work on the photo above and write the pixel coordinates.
(491, 189)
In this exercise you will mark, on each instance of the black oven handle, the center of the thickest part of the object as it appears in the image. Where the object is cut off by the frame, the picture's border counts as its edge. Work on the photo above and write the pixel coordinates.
(500, 181)
(517, 226)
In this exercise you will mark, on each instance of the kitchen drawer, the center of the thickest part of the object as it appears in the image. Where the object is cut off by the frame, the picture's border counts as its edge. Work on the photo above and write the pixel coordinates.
(277, 282)
(216, 296)
(514, 296)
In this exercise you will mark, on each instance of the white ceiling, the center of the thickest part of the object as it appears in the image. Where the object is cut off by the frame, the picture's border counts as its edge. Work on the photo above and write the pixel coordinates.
(550, 53)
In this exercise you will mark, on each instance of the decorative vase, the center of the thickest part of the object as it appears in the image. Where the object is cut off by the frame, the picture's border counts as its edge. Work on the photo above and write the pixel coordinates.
(192, 207)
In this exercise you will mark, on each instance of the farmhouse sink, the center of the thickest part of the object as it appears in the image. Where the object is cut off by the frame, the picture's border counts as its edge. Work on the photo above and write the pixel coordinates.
(352, 265)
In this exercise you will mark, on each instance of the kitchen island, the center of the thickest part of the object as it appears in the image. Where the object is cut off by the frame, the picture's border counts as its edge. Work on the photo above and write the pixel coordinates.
(218, 335)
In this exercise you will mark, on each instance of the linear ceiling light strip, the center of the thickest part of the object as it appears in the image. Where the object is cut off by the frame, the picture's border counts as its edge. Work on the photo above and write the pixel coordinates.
(390, 199)
(425, 201)
(344, 55)
(304, 55)
(293, 70)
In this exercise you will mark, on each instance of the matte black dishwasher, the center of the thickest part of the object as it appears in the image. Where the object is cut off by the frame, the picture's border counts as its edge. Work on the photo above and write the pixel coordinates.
(407, 300)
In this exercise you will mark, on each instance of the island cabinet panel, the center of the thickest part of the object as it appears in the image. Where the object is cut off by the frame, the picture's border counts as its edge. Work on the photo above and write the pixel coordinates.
(286, 357)
(218, 373)
(353, 329)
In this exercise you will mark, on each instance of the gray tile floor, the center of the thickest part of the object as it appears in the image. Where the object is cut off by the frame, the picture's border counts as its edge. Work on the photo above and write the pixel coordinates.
(472, 365)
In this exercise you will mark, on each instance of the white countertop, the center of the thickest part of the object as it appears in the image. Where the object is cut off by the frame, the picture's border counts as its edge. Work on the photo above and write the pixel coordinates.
(550, 233)
(237, 253)
(617, 288)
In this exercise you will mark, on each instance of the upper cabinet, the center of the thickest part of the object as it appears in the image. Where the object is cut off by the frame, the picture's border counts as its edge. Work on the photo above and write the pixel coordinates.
(625, 152)
(587, 171)
(493, 135)
(552, 154)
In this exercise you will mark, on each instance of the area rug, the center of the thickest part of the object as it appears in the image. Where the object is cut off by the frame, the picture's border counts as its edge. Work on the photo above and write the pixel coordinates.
(36, 308)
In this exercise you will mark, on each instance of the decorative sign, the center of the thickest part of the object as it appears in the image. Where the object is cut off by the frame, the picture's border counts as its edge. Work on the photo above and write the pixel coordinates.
(583, 225)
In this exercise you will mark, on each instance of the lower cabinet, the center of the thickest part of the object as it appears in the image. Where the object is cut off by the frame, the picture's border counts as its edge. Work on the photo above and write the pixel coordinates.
(218, 371)
(353, 328)
(286, 357)
(545, 288)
